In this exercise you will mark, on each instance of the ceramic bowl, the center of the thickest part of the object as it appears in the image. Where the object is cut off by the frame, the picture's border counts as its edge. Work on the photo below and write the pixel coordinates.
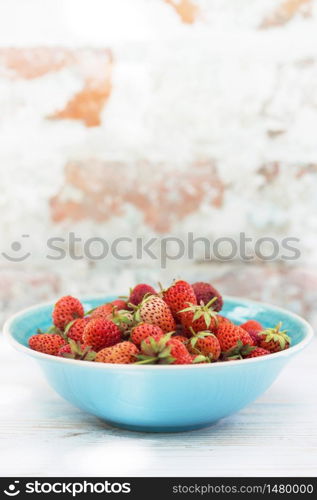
(163, 398)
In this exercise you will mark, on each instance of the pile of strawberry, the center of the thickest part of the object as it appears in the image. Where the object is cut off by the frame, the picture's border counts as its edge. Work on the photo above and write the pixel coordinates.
(178, 325)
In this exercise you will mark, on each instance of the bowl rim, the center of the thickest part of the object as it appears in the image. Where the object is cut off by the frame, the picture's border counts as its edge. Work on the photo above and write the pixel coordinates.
(308, 329)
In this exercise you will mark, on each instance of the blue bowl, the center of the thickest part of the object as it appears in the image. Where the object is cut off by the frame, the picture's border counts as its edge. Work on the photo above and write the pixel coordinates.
(163, 398)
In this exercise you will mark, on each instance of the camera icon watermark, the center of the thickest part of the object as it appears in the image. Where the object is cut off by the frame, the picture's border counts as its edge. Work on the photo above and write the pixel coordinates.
(16, 251)
(11, 490)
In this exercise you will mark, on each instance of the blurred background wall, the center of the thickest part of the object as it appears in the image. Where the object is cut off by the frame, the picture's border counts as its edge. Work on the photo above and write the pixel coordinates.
(126, 118)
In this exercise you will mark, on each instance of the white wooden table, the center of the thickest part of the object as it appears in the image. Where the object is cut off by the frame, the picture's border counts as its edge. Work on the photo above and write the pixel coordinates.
(43, 435)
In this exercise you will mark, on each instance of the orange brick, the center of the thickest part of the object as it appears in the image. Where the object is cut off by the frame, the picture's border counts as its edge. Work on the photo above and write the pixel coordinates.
(186, 9)
(285, 11)
(105, 189)
(94, 67)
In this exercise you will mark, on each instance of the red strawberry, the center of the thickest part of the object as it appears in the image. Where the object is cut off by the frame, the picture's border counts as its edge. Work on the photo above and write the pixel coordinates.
(103, 311)
(138, 292)
(253, 328)
(179, 352)
(205, 343)
(122, 353)
(107, 309)
(229, 334)
(163, 350)
(205, 292)
(100, 333)
(48, 343)
(200, 317)
(181, 338)
(76, 350)
(144, 330)
(119, 304)
(155, 311)
(252, 325)
(274, 339)
(75, 329)
(178, 297)
(222, 318)
(66, 310)
(258, 351)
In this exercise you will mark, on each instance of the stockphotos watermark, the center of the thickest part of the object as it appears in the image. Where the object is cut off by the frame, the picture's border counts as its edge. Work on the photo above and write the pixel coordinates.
(162, 250)
(68, 488)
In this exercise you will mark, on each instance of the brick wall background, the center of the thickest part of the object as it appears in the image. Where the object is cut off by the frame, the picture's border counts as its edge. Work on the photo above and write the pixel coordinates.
(157, 118)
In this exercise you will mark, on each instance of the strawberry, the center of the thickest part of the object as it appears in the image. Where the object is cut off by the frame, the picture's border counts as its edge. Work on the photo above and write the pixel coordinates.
(229, 334)
(178, 352)
(144, 330)
(163, 350)
(66, 310)
(100, 333)
(200, 317)
(76, 350)
(48, 343)
(119, 304)
(179, 296)
(181, 338)
(205, 292)
(75, 329)
(274, 339)
(253, 328)
(102, 311)
(138, 292)
(258, 351)
(122, 353)
(252, 325)
(107, 309)
(155, 311)
(222, 318)
(205, 343)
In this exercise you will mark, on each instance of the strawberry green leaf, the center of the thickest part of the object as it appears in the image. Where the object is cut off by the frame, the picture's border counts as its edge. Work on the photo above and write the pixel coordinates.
(165, 353)
(147, 361)
(68, 326)
(207, 319)
(197, 315)
(193, 341)
(200, 359)
(153, 344)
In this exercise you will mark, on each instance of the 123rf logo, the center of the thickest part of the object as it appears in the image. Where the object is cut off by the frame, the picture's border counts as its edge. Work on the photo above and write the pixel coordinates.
(72, 489)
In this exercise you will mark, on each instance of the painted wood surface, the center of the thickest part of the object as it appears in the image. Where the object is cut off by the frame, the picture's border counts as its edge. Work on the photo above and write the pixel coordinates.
(41, 434)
